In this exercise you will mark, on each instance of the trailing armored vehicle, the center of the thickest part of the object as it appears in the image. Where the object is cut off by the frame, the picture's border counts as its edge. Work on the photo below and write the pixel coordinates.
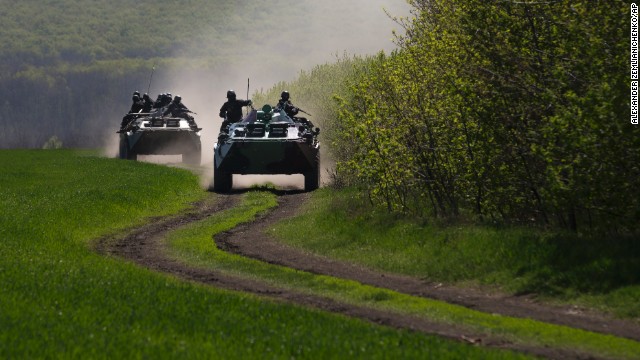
(267, 142)
(155, 134)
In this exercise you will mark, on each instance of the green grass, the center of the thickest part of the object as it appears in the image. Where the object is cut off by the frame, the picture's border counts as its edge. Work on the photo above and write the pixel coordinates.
(194, 245)
(59, 299)
(591, 271)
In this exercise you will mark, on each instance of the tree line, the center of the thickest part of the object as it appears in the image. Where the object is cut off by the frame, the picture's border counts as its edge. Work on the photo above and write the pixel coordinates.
(503, 111)
(68, 67)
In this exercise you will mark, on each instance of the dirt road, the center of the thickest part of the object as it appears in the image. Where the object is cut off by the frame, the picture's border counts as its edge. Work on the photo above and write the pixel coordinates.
(144, 246)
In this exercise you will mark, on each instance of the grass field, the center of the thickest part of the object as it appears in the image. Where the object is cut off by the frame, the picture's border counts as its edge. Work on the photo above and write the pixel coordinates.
(595, 271)
(59, 299)
(193, 244)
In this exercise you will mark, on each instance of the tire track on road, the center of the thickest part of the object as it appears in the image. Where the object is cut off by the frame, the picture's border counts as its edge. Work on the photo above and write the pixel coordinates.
(144, 246)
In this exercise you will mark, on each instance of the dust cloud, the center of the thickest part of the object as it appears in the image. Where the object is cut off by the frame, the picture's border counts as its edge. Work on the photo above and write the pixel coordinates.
(328, 29)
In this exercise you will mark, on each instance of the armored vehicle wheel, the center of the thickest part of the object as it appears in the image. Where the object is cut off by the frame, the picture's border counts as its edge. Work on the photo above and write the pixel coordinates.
(222, 181)
(312, 178)
(123, 148)
(125, 152)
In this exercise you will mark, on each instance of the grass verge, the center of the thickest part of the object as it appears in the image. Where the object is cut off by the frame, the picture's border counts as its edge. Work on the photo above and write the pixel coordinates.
(59, 299)
(193, 244)
(594, 271)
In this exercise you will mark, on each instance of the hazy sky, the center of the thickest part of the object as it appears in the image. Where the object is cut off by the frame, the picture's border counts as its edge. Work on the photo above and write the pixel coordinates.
(329, 28)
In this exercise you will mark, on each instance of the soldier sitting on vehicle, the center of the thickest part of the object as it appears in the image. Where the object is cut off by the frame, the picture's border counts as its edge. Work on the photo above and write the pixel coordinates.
(157, 104)
(148, 103)
(285, 104)
(136, 106)
(177, 109)
(163, 100)
(231, 111)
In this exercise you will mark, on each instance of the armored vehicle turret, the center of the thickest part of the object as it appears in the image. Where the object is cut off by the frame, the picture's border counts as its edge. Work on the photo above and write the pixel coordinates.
(267, 142)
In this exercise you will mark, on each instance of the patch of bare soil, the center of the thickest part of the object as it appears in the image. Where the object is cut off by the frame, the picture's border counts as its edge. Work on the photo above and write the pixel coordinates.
(144, 246)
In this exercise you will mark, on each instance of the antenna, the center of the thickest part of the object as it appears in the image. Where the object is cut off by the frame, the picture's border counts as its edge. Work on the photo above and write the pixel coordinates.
(151, 77)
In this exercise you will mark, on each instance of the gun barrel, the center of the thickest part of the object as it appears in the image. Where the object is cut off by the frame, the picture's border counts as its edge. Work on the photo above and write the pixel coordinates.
(304, 112)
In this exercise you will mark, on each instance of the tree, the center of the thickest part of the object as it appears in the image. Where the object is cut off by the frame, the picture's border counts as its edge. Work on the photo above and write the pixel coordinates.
(513, 109)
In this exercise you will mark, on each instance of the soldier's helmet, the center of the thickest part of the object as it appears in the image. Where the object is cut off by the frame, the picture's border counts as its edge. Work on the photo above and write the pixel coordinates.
(231, 95)
(177, 99)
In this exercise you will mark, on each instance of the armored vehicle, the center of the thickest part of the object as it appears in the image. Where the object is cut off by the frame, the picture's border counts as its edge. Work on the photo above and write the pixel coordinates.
(155, 134)
(267, 142)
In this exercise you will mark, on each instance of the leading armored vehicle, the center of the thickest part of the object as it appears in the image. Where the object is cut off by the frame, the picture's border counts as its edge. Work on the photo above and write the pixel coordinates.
(155, 134)
(267, 142)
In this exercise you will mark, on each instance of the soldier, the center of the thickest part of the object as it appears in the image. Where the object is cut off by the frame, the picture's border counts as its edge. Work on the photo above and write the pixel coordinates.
(136, 107)
(291, 111)
(231, 111)
(163, 100)
(158, 103)
(286, 104)
(148, 103)
(166, 99)
(177, 109)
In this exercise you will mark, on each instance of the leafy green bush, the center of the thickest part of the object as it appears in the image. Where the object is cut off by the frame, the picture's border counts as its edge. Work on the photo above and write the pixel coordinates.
(516, 111)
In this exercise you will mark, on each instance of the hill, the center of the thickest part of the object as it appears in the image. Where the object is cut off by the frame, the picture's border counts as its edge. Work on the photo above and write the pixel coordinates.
(79, 61)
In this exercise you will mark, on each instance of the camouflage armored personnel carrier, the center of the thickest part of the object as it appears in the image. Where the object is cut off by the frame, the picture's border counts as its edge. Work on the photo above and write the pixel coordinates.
(267, 142)
(156, 134)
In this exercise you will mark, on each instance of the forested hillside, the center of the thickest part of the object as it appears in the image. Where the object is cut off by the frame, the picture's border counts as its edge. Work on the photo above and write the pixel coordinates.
(68, 67)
